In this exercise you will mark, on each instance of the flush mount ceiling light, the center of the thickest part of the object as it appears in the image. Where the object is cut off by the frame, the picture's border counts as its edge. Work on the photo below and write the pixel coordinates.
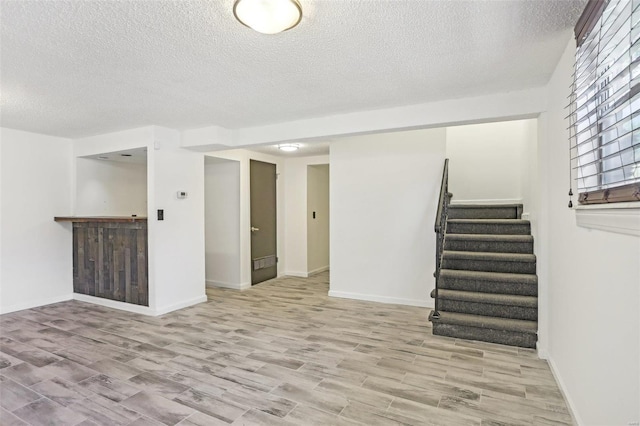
(289, 147)
(268, 16)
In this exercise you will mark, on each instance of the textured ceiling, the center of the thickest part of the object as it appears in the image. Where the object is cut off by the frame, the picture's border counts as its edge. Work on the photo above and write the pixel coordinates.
(78, 68)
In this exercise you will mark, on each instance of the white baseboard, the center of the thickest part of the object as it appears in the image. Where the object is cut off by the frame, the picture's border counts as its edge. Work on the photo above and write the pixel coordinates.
(114, 304)
(234, 286)
(180, 305)
(563, 389)
(542, 352)
(381, 299)
(317, 271)
(296, 274)
(138, 309)
(488, 201)
(34, 303)
(304, 274)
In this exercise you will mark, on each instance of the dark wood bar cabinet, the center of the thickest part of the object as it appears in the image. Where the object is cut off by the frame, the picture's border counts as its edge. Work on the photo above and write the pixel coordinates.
(110, 258)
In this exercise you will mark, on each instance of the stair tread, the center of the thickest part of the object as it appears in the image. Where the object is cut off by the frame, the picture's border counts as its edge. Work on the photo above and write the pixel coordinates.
(483, 206)
(490, 276)
(490, 298)
(489, 256)
(495, 323)
(491, 237)
(491, 221)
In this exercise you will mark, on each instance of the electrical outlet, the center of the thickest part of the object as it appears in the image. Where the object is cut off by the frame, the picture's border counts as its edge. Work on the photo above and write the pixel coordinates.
(160, 214)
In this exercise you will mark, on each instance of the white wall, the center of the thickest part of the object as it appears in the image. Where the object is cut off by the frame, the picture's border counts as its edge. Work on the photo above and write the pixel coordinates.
(384, 192)
(244, 157)
(222, 222)
(589, 284)
(318, 228)
(295, 220)
(176, 244)
(110, 188)
(489, 162)
(35, 251)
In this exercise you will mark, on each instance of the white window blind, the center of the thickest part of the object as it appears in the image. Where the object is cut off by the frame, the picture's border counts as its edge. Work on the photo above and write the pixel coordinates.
(605, 107)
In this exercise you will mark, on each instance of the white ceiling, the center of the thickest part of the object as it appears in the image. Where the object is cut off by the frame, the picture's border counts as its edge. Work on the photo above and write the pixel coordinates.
(78, 68)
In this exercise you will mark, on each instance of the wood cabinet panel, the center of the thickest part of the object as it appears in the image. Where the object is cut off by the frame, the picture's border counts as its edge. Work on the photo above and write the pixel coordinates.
(110, 261)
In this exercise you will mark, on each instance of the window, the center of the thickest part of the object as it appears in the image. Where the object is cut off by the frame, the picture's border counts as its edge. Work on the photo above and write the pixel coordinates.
(605, 103)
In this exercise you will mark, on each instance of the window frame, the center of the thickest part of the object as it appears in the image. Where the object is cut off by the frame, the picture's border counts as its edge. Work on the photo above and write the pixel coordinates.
(627, 192)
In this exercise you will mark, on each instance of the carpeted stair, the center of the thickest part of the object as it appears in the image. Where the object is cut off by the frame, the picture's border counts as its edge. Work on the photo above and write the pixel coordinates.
(487, 284)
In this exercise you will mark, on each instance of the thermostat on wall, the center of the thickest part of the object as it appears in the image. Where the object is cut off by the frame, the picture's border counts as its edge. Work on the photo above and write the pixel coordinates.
(182, 194)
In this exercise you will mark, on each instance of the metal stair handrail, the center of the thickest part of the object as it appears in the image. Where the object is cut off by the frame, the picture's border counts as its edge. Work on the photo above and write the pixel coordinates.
(441, 228)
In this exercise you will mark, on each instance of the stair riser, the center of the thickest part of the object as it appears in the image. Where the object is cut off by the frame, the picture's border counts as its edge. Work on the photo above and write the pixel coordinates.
(491, 310)
(489, 246)
(489, 266)
(489, 228)
(504, 337)
(483, 213)
(498, 287)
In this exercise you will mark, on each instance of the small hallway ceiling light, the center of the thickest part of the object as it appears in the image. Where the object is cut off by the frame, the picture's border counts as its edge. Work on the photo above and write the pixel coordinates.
(268, 16)
(289, 147)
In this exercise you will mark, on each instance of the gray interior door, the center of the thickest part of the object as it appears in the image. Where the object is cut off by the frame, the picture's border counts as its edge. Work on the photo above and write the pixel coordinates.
(263, 221)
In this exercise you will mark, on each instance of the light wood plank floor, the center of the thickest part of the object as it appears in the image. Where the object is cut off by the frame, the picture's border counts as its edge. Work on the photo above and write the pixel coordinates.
(280, 353)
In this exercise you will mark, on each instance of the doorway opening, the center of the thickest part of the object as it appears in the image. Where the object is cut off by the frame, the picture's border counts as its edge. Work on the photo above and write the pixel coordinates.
(222, 223)
(317, 218)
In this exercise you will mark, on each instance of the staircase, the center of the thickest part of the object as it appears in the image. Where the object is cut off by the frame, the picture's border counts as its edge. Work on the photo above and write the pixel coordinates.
(486, 284)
